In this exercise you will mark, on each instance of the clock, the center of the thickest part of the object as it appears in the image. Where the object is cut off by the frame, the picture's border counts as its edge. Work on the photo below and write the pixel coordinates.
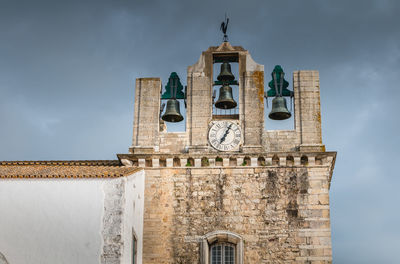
(225, 135)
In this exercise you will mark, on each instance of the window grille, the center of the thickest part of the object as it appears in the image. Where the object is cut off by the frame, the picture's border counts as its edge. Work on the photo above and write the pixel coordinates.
(222, 253)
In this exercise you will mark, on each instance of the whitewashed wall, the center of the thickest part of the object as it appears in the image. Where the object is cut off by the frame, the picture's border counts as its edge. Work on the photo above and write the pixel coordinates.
(50, 220)
(60, 220)
(133, 216)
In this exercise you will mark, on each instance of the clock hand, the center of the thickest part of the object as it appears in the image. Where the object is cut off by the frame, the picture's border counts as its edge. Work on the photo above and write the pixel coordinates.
(226, 133)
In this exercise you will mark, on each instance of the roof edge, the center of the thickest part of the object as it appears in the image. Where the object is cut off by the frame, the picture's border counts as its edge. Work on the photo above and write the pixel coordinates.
(115, 163)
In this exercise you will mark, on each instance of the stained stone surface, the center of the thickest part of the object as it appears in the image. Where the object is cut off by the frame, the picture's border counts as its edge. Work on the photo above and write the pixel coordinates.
(281, 213)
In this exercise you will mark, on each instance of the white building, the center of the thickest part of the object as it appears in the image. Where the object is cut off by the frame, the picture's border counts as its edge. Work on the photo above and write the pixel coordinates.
(70, 212)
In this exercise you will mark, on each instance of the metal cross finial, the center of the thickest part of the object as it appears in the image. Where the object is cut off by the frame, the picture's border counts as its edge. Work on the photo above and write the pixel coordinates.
(224, 28)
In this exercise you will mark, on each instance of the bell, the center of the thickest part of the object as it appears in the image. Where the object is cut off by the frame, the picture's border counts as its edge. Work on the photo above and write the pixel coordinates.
(226, 73)
(172, 113)
(225, 99)
(279, 109)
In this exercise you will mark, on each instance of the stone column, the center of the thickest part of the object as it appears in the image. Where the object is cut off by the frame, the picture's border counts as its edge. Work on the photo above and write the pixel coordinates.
(251, 103)
(146, 116)
(308, 110)
(199, 102)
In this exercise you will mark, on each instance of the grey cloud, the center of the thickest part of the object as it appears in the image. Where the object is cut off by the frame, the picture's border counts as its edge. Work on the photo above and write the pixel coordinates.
(67, 72)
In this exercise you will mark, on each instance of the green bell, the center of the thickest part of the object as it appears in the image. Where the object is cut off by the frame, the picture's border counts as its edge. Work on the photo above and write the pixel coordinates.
(226, 73)
(225, 99)
(279, 109)
(172, 113)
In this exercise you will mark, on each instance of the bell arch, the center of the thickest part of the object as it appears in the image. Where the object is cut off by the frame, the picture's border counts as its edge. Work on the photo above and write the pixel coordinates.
(225, 86)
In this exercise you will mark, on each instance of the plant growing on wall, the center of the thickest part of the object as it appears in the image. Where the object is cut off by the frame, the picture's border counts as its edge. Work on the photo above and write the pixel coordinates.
(205, 162)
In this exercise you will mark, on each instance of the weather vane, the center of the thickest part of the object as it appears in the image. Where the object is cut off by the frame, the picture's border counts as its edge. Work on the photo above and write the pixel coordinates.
(224, 27)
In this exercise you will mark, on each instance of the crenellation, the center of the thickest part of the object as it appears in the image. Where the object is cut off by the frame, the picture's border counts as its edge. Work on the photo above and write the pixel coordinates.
(170, 162)
(311, 160)
(142, 163)
(155, 163)
(282, 161)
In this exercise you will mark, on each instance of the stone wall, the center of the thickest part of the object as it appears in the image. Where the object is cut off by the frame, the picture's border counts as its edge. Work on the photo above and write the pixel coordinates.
(122, 219)
(280, 140)
(281, 212)
(172, 142)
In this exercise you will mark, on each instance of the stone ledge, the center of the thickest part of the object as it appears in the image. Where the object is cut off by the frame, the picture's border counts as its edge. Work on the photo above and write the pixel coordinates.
(295, 159)
(328, 258)
(315, 147)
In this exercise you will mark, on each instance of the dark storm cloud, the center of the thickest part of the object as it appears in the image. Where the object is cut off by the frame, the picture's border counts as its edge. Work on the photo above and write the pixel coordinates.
(67, 71)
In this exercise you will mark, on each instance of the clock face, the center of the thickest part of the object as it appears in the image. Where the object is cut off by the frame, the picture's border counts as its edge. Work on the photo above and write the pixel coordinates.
(225, 135)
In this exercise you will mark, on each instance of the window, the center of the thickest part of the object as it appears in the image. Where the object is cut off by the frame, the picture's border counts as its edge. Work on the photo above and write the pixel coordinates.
(222, 253)
(221, 247)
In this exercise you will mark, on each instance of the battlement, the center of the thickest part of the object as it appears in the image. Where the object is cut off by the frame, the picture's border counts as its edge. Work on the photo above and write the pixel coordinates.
(285, 159)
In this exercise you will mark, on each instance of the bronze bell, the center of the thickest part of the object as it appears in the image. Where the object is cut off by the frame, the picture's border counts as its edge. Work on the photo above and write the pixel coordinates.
(226, 73)
(172, 113)
(279, 109)
(225, 99)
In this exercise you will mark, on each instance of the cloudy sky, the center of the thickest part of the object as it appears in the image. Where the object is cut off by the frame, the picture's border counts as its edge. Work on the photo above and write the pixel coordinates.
(67, 71)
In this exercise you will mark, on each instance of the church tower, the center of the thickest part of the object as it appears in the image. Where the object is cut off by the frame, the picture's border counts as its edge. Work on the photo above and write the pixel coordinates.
(226, 190)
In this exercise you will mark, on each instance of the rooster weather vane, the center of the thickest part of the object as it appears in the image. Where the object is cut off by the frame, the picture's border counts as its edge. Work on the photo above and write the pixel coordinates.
(224, 28)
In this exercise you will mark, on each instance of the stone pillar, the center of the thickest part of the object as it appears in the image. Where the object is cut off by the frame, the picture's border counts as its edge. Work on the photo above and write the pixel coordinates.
(199, 102)
(142, 163)
(308, 110)
(156, 163)
(170, 163)
(282, 161)
(146, 116)
(251, 103)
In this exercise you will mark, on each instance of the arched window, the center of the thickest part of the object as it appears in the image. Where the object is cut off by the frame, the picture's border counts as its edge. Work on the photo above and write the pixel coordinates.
(221, 247)
(222, 253)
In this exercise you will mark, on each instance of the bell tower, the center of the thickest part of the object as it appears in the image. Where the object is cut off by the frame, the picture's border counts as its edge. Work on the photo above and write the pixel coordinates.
(199, 96)
(249, 114)
(227, 188)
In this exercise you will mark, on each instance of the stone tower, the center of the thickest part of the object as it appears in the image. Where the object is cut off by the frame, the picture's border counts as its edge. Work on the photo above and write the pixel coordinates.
(263, 199)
